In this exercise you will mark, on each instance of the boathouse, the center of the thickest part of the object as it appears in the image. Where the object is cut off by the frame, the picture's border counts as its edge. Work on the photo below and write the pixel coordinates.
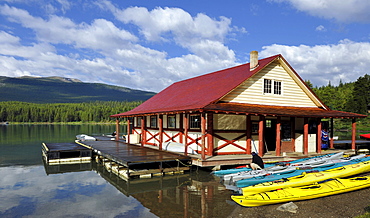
(261, 106)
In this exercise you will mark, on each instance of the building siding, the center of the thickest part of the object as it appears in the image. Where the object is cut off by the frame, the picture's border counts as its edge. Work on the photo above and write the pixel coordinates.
(251, 91)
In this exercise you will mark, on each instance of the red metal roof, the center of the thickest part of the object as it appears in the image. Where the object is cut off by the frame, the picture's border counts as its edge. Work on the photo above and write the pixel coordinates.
(202, 93)
(197, 92)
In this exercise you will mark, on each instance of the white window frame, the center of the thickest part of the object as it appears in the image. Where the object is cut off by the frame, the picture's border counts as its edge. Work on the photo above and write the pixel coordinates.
(275, 87)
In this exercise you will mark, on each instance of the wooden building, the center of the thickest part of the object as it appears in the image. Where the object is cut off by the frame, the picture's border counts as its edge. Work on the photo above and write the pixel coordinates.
(259, 106)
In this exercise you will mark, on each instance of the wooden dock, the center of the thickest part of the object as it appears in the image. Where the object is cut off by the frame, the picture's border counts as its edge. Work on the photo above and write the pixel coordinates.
(66, 153)
(132, 161)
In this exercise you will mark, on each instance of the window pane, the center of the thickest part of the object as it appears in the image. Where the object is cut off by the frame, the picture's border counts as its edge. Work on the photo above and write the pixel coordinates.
(139, 121)
(171, 122)
(194, 122)
(277, 87)
(267, 86)
(153, 121)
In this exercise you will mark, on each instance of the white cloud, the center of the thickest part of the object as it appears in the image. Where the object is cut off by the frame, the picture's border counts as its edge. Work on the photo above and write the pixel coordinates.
(320, 28)
(346, 61)
(102, 51)
(94, 195)
(342, 11)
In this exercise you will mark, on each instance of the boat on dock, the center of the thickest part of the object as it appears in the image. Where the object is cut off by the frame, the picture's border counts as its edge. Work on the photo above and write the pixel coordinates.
(285, 168)
(315, 190)
(221, 173)
(309, 178)
(273, 177)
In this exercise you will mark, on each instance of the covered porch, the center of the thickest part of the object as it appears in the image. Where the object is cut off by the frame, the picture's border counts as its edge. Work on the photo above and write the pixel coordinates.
(225, 129)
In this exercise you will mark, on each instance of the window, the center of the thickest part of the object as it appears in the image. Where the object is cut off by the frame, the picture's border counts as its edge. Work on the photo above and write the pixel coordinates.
(194, 122)
(255, 127)
(171, 121)
(153, 121)
(268, 124)
(267, 86)
(277, 87)
(138, 123)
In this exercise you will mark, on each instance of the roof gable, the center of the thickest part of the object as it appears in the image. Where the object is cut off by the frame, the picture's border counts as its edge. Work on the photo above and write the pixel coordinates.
(198, 92)
(293, 91)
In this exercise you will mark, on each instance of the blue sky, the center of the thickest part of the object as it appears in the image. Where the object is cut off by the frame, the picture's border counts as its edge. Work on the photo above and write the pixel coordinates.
(149, 45)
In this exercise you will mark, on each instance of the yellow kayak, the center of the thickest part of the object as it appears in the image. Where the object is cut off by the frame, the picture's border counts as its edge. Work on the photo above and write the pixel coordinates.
(331, 187)
(309, 178)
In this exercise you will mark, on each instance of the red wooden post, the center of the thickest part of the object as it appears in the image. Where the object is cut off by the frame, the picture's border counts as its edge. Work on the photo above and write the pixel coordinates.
(203, 132)
(186, 130)
(249, 134)
(128, 131)
(278, 136)
(143, 134)
(160, 131)
(210, 134)
(117, 129)
(261, 141)
(318, 138)
(305, 136)
(181, 128)
(353, 144)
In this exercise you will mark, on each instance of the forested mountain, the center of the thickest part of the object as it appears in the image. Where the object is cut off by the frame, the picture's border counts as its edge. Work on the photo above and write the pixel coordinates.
(29, 99)
(64, 90)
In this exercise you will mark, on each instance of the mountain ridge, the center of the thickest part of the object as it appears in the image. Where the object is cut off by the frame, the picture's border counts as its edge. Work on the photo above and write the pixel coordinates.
(55, 89)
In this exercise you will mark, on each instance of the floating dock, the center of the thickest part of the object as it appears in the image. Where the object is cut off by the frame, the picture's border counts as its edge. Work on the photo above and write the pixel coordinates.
(132, 161)
(66, 153)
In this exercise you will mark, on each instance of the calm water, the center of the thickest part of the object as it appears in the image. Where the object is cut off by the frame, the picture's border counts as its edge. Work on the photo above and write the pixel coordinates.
(28, 188)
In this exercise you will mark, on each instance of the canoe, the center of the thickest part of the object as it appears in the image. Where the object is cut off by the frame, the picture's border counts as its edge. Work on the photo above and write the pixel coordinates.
(365, 136)
(288, 168)
(84, 137)
(316, 190)
(221, 173)
(309, 178)
(268, 178)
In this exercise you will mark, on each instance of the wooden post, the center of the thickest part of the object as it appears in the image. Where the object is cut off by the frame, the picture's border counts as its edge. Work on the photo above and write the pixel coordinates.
(203, 132)
(318, 137)
(353, 144)
(143, 134)
(249, 134)
(186, 131)
(278, 136)
(181, 127)
(117, 129)
(331, 133)
(305, 136)
(261, 141)
(128, 130)
(210, 134)
(160, 131)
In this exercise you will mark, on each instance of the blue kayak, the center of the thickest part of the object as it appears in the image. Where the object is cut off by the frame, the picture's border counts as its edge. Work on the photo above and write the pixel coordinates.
(221, 173)
(273, 177)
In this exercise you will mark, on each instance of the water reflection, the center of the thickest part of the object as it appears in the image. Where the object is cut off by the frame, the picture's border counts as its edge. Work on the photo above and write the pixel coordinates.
(28, 191)
(29, 188)
(195, 194)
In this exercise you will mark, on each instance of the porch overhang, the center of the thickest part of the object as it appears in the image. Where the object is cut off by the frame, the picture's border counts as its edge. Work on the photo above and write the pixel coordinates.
(254, 109)
(281, 111)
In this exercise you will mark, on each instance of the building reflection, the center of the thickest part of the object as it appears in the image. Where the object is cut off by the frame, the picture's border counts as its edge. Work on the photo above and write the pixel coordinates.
(194, 194)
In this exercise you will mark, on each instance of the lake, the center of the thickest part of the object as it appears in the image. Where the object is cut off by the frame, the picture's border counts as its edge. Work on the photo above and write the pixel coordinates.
(29, 188)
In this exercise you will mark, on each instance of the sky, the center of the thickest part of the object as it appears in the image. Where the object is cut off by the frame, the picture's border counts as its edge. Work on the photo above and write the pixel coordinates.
(148, 45)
